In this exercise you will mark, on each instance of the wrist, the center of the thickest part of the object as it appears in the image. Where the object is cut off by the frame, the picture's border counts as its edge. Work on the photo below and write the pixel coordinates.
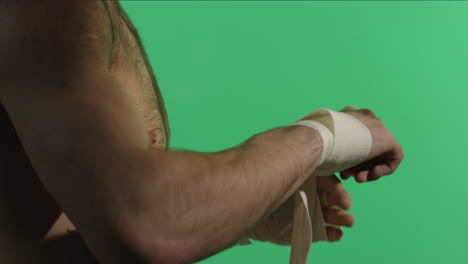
(309, 142)
(346, 142)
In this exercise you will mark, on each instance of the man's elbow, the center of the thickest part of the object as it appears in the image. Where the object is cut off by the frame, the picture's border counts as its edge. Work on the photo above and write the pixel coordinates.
(148, 227)
(145, 247)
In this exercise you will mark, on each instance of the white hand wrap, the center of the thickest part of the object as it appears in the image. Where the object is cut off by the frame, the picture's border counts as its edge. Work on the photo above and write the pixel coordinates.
(346, 143)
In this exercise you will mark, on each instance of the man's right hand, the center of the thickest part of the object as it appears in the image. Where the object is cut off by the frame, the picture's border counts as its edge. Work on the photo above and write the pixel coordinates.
(385, 155)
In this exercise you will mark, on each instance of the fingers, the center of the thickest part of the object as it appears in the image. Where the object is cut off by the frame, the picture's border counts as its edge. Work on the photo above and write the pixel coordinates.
(339, 200)
(379, 171)
(363, 172)
(376, 168)
(338, 217)
(335, 194)
(362, 176)
(334, 234)
(342, 199)
(329, 183)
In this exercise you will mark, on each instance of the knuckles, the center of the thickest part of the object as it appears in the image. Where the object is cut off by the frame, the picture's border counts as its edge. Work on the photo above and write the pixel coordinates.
(350, 107)
(368, 112)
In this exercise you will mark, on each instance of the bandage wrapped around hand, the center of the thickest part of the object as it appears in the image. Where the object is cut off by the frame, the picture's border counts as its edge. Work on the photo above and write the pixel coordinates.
(346, 142)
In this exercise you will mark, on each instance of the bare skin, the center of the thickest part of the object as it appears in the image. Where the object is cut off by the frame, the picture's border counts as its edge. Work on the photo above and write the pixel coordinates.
(131, 68)
(130, 72)
(27, 198)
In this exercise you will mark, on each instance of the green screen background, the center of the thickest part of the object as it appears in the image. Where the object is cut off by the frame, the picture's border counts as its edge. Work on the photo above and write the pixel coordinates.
(228, 70)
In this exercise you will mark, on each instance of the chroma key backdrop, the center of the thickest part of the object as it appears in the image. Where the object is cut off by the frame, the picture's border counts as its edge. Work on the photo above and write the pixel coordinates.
(228, 70)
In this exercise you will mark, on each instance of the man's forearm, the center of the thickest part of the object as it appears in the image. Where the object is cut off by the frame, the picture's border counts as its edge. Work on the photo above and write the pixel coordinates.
(204, 202)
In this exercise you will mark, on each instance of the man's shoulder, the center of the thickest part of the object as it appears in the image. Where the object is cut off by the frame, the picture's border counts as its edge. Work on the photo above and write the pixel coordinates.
(47, 36)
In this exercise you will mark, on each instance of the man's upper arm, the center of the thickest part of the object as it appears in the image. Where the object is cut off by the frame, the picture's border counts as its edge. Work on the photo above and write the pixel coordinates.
(78, 126)
(38, 38)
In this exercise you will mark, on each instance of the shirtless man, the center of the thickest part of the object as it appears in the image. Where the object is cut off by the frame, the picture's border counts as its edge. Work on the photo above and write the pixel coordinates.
(84, 130)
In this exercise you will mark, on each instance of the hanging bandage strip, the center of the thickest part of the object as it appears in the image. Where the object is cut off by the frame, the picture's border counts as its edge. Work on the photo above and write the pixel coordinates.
(308, 222)
(302, 230)
(346, 142)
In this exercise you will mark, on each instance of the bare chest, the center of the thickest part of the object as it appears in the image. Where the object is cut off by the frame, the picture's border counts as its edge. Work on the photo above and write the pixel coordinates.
(130, 66)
